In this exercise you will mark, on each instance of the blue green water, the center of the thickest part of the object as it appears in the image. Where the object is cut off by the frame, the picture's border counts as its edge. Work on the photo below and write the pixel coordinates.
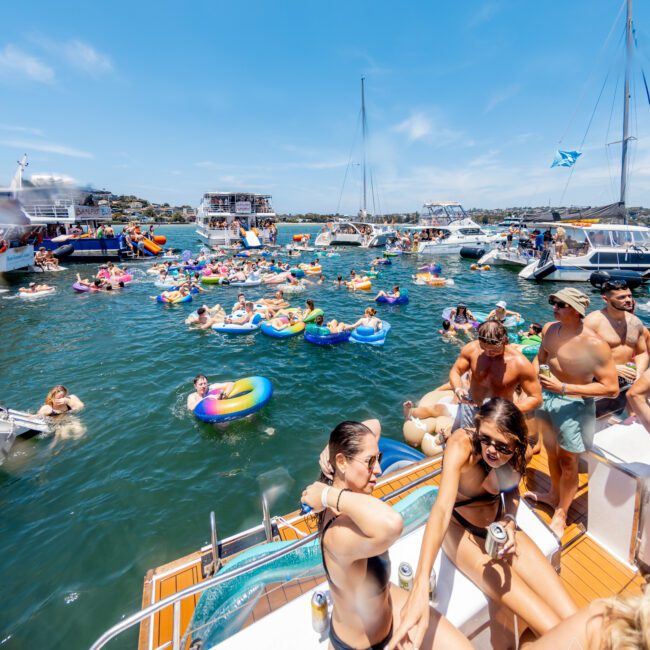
(85, 516)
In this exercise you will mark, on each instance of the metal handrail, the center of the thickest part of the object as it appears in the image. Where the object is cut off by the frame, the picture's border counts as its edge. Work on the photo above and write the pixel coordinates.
(130, 621)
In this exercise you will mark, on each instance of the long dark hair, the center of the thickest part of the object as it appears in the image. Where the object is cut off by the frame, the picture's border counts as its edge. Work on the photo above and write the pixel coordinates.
(509, 421)
(346, 439)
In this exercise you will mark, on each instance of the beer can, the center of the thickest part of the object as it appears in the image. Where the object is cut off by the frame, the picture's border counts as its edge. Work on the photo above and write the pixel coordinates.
(319, 612)
(433, 588)
(544, 370)
(405, 576)
(496, 538)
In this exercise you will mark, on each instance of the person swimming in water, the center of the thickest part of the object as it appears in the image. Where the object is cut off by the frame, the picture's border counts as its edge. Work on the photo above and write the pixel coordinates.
(356, 531)
(59, 401)
(201, 388)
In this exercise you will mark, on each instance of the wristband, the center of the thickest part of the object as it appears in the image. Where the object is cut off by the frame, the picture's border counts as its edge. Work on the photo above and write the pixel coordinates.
(323, 496)
(509, 517)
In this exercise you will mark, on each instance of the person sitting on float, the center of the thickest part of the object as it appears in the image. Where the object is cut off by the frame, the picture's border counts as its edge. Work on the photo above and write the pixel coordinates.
(461, 317)
(394, 294)
(356, 531)
(500, 313)
(246, 317)
(482, 469)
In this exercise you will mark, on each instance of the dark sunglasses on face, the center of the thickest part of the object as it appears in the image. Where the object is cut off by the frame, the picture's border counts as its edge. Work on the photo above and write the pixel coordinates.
(556, 303)
(501, 447)
(370, 463)
(489, 341)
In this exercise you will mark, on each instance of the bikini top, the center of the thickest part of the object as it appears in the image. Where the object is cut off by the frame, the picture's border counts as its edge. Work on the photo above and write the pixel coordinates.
(378, 566)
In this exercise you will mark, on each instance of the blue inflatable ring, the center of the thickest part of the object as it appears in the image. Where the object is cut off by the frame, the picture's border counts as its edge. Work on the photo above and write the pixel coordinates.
(369, 336)
(322, 336)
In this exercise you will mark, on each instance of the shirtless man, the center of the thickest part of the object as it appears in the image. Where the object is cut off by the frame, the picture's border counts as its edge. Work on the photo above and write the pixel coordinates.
(200, 391)
(40, 258)
(277, 302)
(624, 333)
(581, 368)
(246, 317)
(35, 288)
(204, 318)
(496, 370)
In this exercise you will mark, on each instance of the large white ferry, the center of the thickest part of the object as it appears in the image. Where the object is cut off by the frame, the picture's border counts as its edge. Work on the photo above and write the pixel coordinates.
(446, 228)
(589, 248)
(231, 218)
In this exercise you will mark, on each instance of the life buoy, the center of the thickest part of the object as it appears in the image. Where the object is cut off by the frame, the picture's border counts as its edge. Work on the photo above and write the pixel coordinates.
(4, 245)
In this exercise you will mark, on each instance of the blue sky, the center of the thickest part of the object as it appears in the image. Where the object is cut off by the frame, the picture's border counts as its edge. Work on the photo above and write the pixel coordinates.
(465, 100)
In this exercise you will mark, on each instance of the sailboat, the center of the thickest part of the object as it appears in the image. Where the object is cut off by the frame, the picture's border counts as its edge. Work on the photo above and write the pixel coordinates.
(620, 250)
(362, 231)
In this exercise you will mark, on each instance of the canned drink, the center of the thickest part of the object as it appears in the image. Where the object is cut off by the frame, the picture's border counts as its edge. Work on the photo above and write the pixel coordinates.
(631, 364)
(433, 588)
(405, 576)
(544, 370)
(496, 538)
(319, 612)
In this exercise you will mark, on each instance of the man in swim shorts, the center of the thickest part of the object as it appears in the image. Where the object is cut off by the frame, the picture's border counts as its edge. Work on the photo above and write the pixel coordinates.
(496, 370)
(624, 333)
(581, 368)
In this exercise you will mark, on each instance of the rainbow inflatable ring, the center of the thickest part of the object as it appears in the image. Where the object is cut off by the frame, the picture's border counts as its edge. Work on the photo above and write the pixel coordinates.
(247, 396)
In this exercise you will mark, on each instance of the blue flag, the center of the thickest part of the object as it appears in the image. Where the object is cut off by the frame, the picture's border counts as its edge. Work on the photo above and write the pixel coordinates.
(565, 158)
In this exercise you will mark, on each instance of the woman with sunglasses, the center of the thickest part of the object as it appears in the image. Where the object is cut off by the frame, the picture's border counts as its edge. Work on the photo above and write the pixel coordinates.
(482, 468)
(357, 530)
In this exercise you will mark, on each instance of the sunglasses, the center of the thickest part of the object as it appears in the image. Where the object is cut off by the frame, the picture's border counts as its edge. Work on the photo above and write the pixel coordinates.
(501, 447)
(371, 462)
(489, 341)
(556, 303)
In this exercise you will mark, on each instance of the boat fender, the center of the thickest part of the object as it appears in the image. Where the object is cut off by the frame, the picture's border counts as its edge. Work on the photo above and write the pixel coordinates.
(63, 251)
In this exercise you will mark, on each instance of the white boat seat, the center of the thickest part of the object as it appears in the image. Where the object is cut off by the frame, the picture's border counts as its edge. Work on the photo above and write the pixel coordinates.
(289, 627)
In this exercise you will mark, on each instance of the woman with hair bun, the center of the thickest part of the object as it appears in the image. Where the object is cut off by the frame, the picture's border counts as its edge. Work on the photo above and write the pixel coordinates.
(357, 530)
(482, 469)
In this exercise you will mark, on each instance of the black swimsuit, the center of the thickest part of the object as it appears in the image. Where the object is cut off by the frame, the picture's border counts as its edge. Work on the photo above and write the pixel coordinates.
(378, 566)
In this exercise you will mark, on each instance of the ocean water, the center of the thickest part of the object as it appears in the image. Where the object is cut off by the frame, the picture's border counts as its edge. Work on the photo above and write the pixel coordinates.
(129, 483)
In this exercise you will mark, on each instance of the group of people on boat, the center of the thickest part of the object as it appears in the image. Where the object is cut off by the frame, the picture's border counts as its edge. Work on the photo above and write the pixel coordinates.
(502, 408)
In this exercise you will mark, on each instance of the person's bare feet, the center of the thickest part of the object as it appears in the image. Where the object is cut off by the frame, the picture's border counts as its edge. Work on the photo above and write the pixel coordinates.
(408, 407)
(547, 498)
(558, 524)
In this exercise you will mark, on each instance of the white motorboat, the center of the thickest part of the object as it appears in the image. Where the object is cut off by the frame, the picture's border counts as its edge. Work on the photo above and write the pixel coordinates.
(447, 228)
(500, 256)
(589, 248)
(17, 423)
(224, 219)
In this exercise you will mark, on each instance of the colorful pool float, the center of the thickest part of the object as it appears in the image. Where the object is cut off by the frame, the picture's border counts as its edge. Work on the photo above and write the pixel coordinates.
(510, 321)
(363, 285)
(175, 300)
(287, 332)
(369, 335)
(319, 335)
(402, 299)
(247, 396)
(292, 288)
(313, 316)
(432, 280)
(214, 279)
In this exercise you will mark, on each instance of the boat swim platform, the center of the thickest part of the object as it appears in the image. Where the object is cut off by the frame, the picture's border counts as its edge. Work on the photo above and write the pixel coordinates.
(586, 568)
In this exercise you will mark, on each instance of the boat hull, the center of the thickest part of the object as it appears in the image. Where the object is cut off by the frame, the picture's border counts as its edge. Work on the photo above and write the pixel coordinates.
(90, 250)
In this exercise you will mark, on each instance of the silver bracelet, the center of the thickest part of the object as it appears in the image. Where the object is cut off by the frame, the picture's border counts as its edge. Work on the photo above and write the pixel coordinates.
(323, 496)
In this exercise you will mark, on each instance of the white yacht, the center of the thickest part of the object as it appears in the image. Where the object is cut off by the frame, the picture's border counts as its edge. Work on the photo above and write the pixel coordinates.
(231, 218)
(589, 248)
(502, 256)
(447, 228)
(355, 233)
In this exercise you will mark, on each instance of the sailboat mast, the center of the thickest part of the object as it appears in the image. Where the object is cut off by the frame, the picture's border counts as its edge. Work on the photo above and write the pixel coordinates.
(626, 106)
(363, 131)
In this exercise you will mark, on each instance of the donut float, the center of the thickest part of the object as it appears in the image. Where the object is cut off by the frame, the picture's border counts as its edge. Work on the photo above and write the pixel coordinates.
(164, 298)
(247, 396)
(287, 332)
(319, 335)
(369, 335)
(402, 299)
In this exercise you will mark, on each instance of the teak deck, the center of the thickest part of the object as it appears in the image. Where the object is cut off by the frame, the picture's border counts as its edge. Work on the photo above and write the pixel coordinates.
(587, 570)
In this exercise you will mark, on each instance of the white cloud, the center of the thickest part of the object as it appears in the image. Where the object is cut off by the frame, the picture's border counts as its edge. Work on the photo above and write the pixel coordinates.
(20, 129)
(14, 63)
(500, 96)
(86, 58)
(416, 127)
(46, 147)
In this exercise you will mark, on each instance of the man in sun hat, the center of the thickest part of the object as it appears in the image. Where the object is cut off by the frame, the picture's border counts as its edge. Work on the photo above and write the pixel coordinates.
(579, 367)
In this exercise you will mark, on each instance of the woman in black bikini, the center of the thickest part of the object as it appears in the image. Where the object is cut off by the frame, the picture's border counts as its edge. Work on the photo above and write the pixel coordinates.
(481, 473)
(59, 401)
(356, 531)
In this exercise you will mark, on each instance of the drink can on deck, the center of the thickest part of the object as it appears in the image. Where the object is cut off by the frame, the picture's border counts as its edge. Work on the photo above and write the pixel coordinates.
(319, 612)
(544, 370)
(405, 576)
(496, 538)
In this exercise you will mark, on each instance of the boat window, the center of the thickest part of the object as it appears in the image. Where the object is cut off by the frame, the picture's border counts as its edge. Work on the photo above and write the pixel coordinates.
(622, 237)
(641, 236)
(470, 231)
(599, 238)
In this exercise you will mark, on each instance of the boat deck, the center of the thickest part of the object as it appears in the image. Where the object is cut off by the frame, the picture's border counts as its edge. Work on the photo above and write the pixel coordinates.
(587, 570)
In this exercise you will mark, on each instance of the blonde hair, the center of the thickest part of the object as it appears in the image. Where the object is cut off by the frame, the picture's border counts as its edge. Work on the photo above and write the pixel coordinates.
(627, 623)
(49, 400)
(371, 311)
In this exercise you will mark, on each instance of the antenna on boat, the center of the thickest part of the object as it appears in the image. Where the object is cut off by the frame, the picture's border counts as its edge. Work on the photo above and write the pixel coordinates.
(626, 105)
(17, 181)
(363, 131)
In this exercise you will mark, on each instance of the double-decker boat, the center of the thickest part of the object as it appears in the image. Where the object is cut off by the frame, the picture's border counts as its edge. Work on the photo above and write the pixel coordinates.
(235, 219)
